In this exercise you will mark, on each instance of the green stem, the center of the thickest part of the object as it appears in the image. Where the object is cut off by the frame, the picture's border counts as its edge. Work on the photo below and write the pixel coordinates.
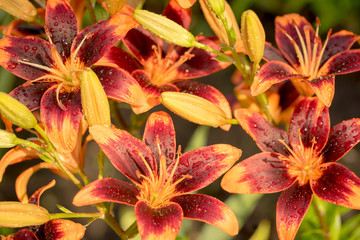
(322, 220)
(84, 177)
(100, 159)
(210, 49)
(19, 141)
(224, 21)
(90, 8)
(75, 215)
(132, 231)
(116, 114)
(110, 220)
(232, 121)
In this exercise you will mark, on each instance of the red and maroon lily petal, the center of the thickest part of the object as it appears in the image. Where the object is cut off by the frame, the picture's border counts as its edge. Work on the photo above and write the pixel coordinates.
(107, 190)
(310, 122)
(35, 197)
(101, 36)
(120, 85)
(61, 25)
(262, 173)
(178, 14)
(207, 92)
(204, 165)
(338, 42)
(160, 133)
(160, 223)
(208, 209)
(127, 153)
(120, 58)
(264, 134)
(202, 63)
(291, 208)
(30, 94)
(324, 88)
(62, 123)
(337, 185)
(30, 49)
(342, 63)
(150, 91)
(272, 54)
(342, 138)
(22, 234)
(286, 25)
(63, 229)
(271, 73)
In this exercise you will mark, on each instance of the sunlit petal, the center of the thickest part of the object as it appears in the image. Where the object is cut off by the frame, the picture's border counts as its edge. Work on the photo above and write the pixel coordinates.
(62, 229)
(324, 88)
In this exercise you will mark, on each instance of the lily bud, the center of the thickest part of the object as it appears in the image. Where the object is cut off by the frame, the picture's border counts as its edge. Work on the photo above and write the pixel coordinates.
(94, 100)
(194, 108)
(165, 28)
(217, 6)
(22, 9)
(7, 139)
(114, 6)
(16, 112)
(252, 35)
(17, 214)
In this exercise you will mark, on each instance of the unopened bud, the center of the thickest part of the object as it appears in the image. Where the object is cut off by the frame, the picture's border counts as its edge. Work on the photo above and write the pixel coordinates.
(252, 35)
(16, 112)
(114, 6)
(7, 139)
(93, 99)
(22, 9)
(217, 6)
(17, 214)
(194, 108)
(164, 28)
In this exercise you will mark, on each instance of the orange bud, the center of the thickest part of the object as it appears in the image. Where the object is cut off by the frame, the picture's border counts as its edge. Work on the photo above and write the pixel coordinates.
(194, 108)
(22, 9)
(252, 35)
(93, 99)
(17, 214)
(16, 112)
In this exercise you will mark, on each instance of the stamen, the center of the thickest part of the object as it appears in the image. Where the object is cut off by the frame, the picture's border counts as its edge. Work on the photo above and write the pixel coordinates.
(35, 65)
(296, 158)
(78, 48)
(297, 50)
(59, 61)
(58, 97)
(146, 164)
(322, 52)
(303, 46)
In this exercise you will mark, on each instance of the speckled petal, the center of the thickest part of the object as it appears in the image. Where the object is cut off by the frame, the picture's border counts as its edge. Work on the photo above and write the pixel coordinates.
(30, 94)
(342, 63)
(204, 165)
(62, 229)
(61, 125)
(107, 190)
(160, 133)
(22, 234)
(311, 120)
(291, 208)
(261, 173)
(124, 151)
(264, 134)
(271, 73)
(160, 223)
(210, 210)
(338, 185)
(342, 138)
(324, 88)
(120, 85)
(62, 26)
(178, 14)
(29, 49)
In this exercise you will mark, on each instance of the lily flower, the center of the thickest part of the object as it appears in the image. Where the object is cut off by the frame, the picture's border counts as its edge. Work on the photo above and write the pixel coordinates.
(167, 67)
(303, 58)
(52, 69)
(161, 179)
(299, 163)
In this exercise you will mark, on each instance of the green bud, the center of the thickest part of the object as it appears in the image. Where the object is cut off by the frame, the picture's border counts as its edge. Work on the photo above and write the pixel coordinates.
(16, 112)
(93, 99)
(217, 6)
(17, 214)
(7, 139)
(252, 35)
(164, 28)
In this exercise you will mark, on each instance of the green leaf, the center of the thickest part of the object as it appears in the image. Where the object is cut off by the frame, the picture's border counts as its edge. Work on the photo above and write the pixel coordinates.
(262, 232)
(199, 138)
